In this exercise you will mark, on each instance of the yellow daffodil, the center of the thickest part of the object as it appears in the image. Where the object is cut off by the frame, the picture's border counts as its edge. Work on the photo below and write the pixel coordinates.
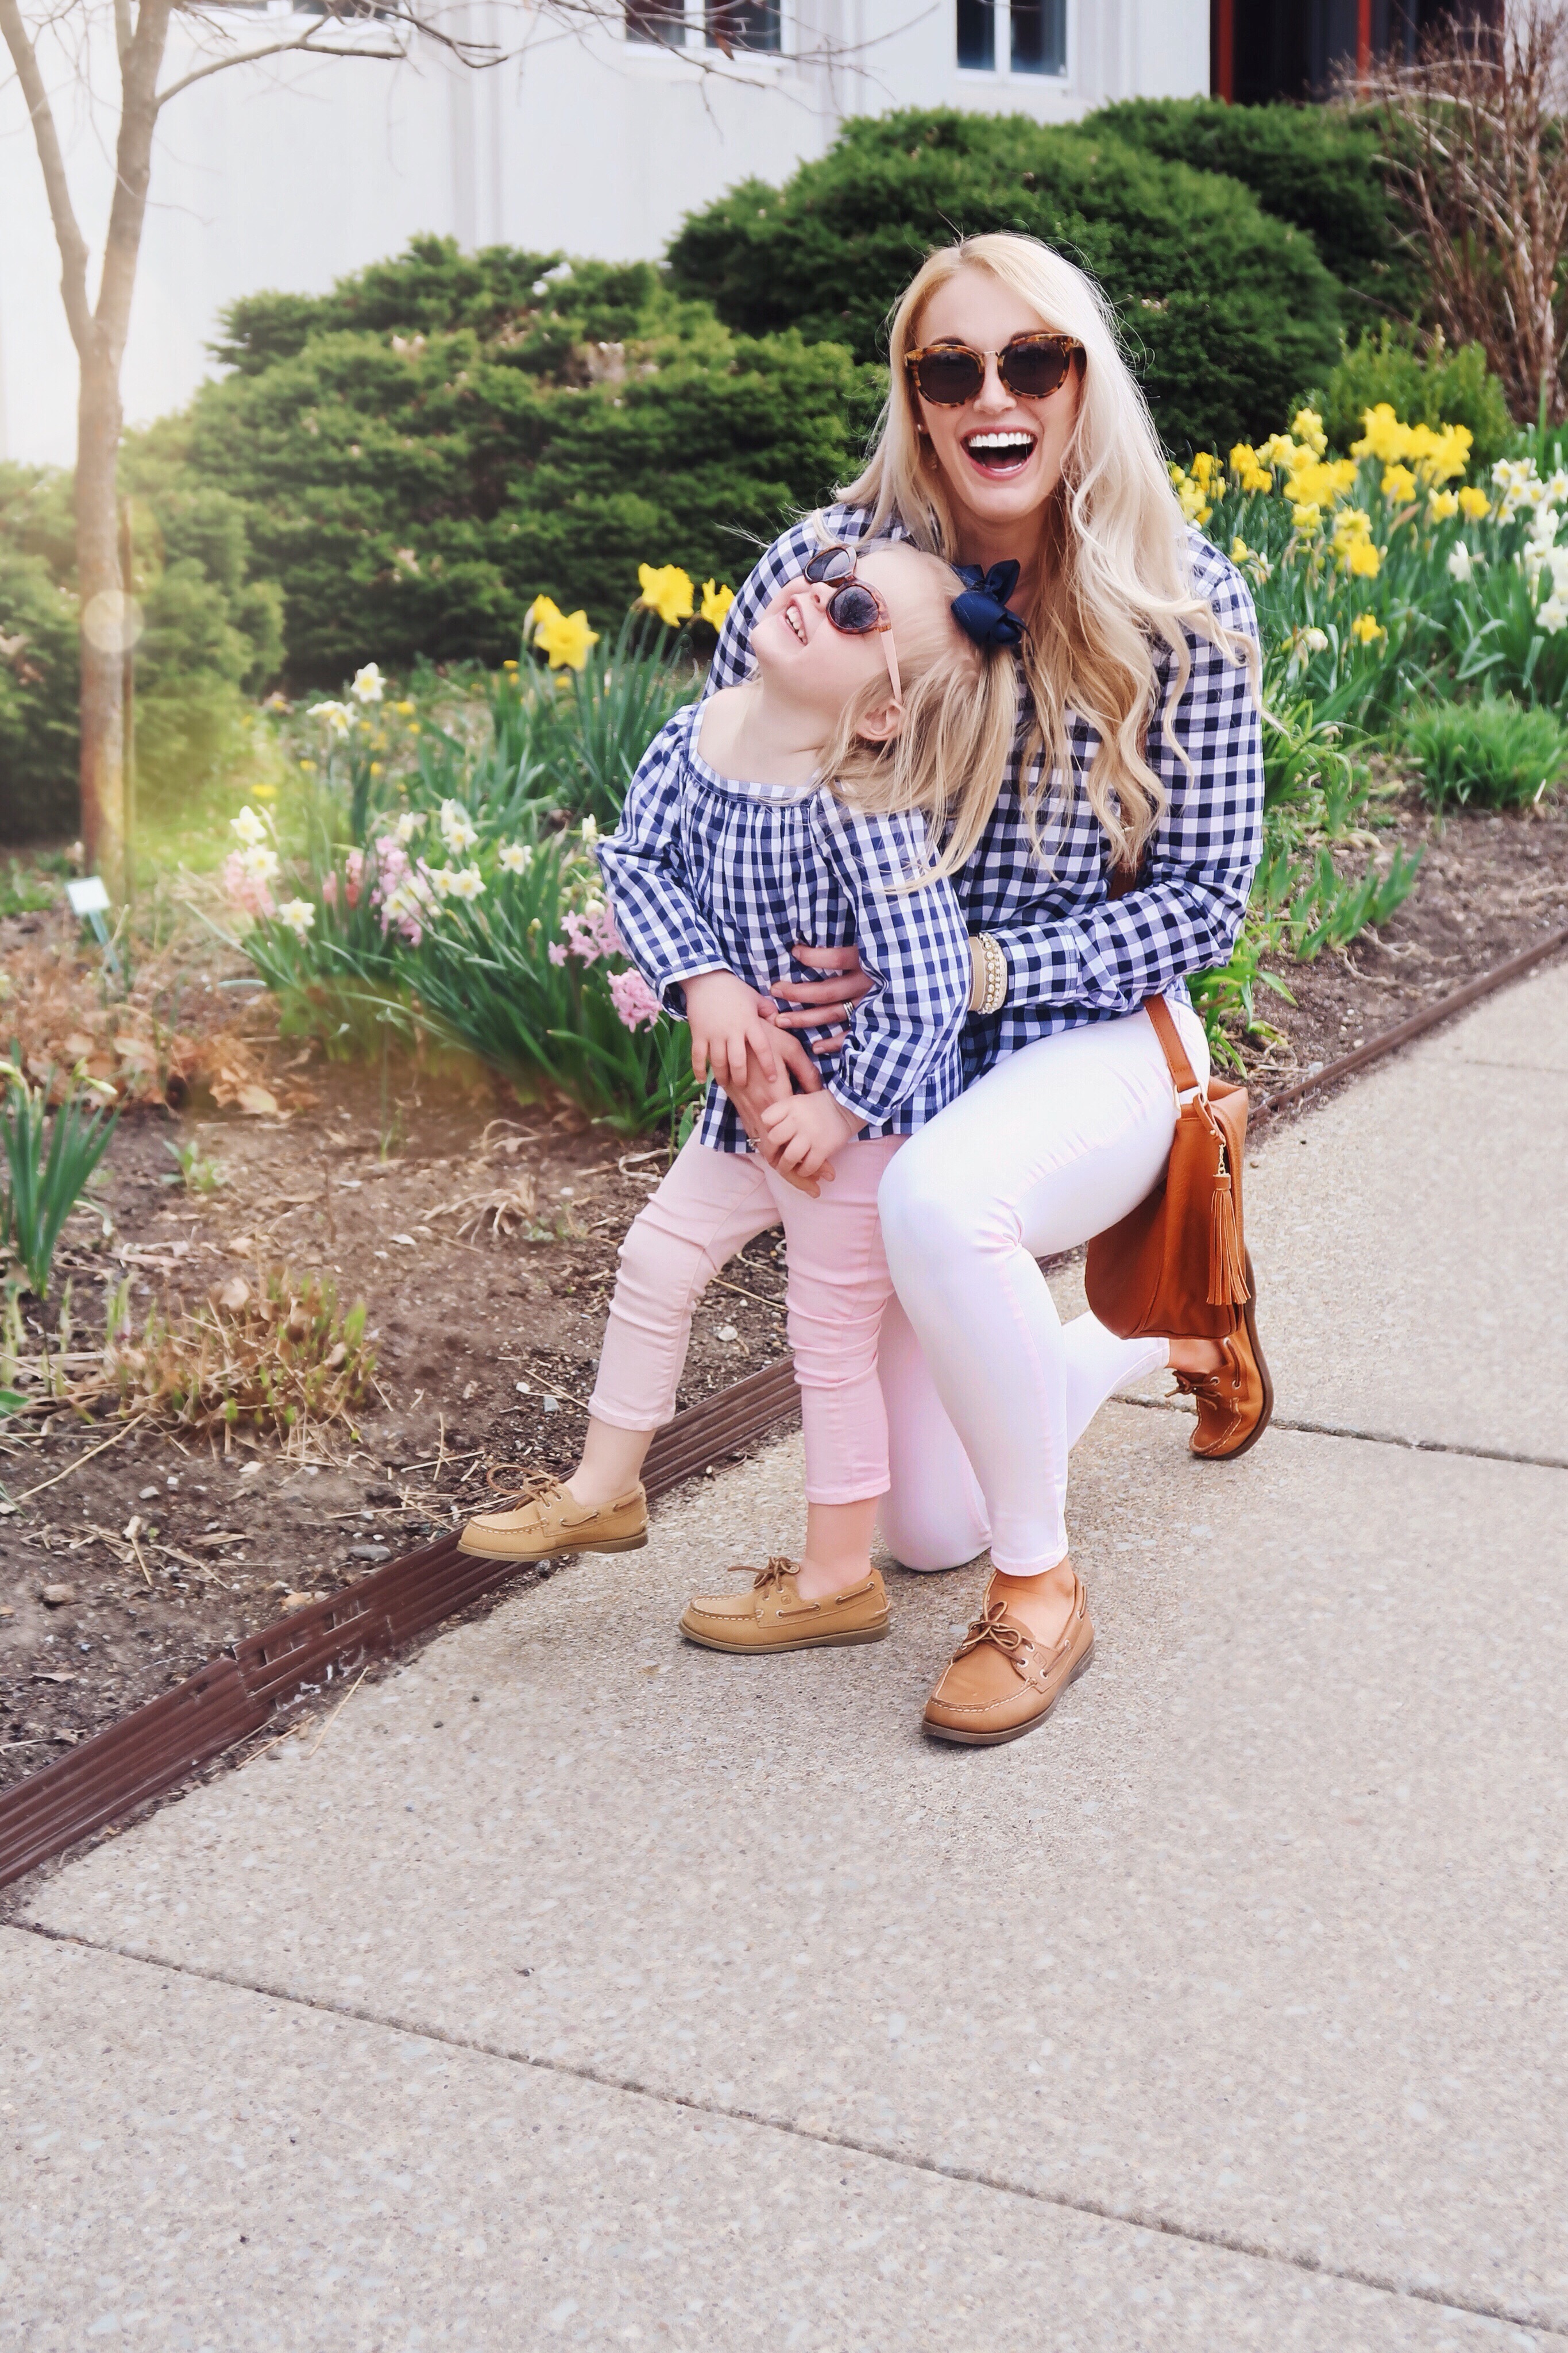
(375, 767)
(1363, 560)
(1435, 452)
(566, 639)
(542, 610)
(309, 767)
(1365, 630)
(264, 792)
(1475, 504)
(508, 665)
(1398, 482)
(1307, 426)
(716, 602)
(1442, 504)
(666, 591)
(1308, 516)
(1206, 467)
(1239, 550)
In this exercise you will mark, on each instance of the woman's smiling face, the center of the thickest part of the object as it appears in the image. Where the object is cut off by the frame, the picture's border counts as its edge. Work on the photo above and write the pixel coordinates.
(1001, 456)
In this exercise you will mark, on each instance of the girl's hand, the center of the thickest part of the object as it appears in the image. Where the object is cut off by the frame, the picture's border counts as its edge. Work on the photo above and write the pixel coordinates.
(801, 1136)
(730, 1034)
(843, 991)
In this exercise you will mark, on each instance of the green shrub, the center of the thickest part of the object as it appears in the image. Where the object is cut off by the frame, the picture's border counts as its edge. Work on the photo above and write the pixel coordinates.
(38, 735)
(1316, 166)
(1489, 753)
(1225, 312)
(1431, 386)
(213, 637)
(421, 452)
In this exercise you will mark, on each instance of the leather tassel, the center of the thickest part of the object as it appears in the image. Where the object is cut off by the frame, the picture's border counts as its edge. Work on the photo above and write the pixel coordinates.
(1227, 1275)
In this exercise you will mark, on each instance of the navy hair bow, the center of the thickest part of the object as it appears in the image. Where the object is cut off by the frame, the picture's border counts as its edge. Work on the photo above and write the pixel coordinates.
(982, 611)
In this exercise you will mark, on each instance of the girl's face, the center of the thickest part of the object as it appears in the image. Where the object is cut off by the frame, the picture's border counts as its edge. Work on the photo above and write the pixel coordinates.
(800, 654)
(1001, 456)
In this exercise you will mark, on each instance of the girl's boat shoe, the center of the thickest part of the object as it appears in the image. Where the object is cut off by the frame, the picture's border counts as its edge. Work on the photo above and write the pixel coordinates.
(772, 1616)
(544, 1520)
(1000, 1683)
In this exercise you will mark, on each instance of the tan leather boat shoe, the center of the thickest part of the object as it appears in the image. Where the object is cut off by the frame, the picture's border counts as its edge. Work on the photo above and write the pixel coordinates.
(773, 1616)
(1000, 1681)
(544, 1521)
(1236, 1403)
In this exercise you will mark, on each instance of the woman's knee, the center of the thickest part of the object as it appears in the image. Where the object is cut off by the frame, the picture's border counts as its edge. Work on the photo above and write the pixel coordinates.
(932, 1214)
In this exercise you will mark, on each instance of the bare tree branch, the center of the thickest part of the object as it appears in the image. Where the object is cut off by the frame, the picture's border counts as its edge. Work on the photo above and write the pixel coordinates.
(305, 45)
(62, 212)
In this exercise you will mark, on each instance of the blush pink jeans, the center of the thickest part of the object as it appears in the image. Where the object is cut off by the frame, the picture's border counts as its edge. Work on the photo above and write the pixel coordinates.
(708, 1207)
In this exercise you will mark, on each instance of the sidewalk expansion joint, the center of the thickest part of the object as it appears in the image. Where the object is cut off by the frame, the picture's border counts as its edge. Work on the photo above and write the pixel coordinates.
(1369, 1437)
(1101, 2209)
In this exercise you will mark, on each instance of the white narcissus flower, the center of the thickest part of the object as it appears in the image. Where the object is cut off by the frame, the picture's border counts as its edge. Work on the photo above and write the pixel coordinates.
(516, 857)
(408, 825)
(369, 684)
(590, 833)
(1315, 640)
(298, 914)
(456, 831)
(260, 860)
(468, 883)
(443, 882)
(250, 828)
(1459, 566)
(335, 716)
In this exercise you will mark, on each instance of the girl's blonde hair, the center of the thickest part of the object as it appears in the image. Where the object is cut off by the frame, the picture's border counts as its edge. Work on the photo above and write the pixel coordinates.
(1113, 577)
(959, 717)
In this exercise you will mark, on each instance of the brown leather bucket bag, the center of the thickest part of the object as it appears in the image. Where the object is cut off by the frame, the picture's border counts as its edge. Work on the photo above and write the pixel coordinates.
(1176, 1265)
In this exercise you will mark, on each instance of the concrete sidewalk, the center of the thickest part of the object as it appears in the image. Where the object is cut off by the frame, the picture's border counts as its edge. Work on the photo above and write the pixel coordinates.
(586, 1989)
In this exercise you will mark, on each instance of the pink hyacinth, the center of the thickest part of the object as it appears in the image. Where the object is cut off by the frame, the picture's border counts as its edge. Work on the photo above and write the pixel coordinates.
(329, 890)
(353, 872)
(246, 890)
(633, 1000)
(557, 953)
(591, 937)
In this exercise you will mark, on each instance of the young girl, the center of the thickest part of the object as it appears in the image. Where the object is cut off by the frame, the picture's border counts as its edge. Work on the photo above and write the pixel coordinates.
(870, 671)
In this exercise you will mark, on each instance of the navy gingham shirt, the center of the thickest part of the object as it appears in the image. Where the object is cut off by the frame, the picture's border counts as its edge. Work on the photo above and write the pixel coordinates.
(1073, 953)
(706, 874)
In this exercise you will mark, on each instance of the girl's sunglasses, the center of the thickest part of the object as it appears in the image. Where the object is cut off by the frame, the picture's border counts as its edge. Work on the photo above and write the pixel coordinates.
(855, 609)
(1031, 368)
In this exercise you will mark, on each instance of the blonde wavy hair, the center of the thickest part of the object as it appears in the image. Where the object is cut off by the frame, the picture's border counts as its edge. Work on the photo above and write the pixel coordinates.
(1113, 579)
(958, 716)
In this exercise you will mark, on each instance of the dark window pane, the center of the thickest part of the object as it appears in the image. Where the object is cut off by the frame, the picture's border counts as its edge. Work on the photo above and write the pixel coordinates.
(1040, 37)
(654, 20)
(743, 24)
(978, 34)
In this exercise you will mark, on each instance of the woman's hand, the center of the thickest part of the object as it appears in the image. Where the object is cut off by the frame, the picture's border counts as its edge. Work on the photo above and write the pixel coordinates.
(849, 982)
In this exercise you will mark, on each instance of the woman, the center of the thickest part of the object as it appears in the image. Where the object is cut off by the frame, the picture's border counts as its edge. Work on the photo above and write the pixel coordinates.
(1015, 438)
(1137, 754)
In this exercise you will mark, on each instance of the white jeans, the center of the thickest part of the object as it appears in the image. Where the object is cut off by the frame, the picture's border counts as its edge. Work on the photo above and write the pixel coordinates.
(984, 1388)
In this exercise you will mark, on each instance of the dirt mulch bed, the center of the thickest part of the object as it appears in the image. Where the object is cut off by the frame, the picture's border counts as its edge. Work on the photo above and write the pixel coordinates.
(1490, 885)
(486, 1345)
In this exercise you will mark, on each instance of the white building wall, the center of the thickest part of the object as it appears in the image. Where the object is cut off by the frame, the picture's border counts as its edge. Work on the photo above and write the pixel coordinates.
(291, 174)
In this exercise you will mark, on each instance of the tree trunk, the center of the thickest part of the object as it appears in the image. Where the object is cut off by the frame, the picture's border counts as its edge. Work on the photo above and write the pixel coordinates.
(102, 644)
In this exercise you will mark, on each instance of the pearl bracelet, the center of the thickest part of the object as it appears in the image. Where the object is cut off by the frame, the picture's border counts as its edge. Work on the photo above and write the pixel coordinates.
(988, 991)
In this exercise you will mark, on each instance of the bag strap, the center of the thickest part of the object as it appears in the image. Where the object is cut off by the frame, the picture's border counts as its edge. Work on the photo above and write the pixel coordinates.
(1183, 1077)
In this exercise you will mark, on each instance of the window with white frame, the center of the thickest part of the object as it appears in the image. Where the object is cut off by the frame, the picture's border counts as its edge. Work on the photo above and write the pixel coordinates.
(749, 27)
(1021, 37)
